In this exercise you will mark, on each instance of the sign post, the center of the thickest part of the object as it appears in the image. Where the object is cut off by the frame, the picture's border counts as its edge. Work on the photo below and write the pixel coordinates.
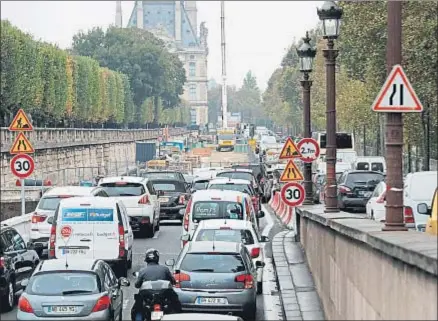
(22, 165)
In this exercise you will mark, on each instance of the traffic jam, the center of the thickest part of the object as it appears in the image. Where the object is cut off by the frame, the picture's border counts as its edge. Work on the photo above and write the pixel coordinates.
(80, 254)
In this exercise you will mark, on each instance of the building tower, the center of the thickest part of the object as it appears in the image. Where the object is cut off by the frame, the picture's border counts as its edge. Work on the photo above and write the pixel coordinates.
(139, 10)
(192, 13)
(119, 23)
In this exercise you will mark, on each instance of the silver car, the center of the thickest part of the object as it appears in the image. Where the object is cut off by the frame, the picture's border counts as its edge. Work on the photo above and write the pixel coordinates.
(216, 277)
(85, 289)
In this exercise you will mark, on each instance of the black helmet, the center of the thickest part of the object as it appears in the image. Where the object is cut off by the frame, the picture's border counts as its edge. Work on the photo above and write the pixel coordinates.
(152, 255)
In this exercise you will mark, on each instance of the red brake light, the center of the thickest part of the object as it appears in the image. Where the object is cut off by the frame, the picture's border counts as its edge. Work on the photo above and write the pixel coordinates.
(344, 189)
(247, 279)
(38, 218)
(186, 216)
(120, 183)
(52, 241)
(157, 307)
(102, 304)
(144, 200)
(225, 228)
(181, 277)
(121, 241)
(409, 215)
(255, 252)
(182, 199)
(2, 262)
(24, 305)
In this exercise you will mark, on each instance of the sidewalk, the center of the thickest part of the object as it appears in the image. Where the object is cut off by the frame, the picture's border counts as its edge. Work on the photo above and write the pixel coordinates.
(298, 293)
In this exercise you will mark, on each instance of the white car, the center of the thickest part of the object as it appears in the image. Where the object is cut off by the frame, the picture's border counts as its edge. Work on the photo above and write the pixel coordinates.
(376, 204)
(140, 199)
(93, 227)
(235, 231)
(200, 317)
(42, 218)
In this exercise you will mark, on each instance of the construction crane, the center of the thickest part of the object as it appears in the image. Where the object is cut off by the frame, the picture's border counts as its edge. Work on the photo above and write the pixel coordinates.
(224, 71)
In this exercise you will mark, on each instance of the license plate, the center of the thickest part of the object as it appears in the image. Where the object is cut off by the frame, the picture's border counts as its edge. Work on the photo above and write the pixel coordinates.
(62, 309)
(164, 200)
(74, 251)
(157, 315)
(218, 301)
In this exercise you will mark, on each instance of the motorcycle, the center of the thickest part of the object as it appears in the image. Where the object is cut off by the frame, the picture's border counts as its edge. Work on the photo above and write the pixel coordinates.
(152, 301)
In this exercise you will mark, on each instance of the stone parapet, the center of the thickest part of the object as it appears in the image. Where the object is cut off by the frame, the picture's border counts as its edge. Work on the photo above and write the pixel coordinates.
(362, 273)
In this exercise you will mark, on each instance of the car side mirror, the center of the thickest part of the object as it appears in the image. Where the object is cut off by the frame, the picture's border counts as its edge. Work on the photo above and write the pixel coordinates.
(264, 239)
(135, 274)
(124, 281)
(170, 262)
(260, 214)
(24, 283)
(30, 246)
(423, 209)
(260, 264)
(185, 237)
(160, 193)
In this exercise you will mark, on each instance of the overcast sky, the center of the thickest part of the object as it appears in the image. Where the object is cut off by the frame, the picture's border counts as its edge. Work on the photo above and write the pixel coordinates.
(257, 32)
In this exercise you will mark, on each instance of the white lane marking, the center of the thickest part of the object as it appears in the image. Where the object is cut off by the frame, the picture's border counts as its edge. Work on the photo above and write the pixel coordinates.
(268, 218)
(156, 234)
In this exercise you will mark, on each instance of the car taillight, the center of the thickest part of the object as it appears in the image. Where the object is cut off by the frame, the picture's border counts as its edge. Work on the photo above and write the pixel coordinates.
(255, 252)
(186, 216)
(121, 241)
(52, 241)
(181, 277)
(409, 215)
(24, 305)
(36, 218)
(225, 228)
(246, 279)
(102, 304)
(344, 189)
(2, 262)
(182, 200)
(157, 307)
(144, 200)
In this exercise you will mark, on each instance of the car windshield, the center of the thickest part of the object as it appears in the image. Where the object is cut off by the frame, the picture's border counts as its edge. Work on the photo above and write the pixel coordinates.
(244, 188)
(200, 185)
(158, 175)
(226, 235)
(50, 203)
(169, 186)
(63, 283)
(205, 210)
(217, 263)
(123, 189)
(237, 175)
(256, 169)
(364, 178)
(226, 137)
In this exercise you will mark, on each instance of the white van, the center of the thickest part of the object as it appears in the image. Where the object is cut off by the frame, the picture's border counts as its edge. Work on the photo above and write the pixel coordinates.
(216, 204)
(95, 228)
(370, 163)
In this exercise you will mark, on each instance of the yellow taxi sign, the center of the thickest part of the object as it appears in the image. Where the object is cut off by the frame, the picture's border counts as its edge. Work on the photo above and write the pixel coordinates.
(290, 150)
(21, 145)
(156, 162)
(291, 173)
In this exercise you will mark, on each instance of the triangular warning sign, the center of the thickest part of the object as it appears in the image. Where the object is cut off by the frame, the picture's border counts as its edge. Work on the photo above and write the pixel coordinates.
(290, 150)
(397, 94)
(291, 173)
(22, 145)
(21, 122)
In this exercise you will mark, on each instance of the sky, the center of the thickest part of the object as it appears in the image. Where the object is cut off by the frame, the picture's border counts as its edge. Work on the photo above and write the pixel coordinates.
(258, 33)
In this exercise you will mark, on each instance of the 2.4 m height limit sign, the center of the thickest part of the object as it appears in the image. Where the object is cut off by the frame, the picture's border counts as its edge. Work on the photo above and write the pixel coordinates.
(293, 194)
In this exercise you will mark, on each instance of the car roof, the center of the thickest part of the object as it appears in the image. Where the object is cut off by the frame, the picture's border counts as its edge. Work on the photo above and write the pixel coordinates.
(221, 180)
(209, 194)
(198, 316)
(218, 223)
(104, 202)
(218, 246)
(70, 190)
(165, 179)
(129, 179)
(364, 171)
(72, 264)
(200, 178)
(232, 170)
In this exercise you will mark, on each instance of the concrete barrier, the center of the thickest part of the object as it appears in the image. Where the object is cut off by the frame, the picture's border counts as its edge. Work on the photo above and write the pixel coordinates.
(363, 273)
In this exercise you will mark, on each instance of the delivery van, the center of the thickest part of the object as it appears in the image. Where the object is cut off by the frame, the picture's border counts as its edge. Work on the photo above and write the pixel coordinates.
(93, 227)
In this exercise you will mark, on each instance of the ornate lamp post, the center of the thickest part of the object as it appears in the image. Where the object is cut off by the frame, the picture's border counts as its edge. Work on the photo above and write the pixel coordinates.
(330, 14)
(306, 55)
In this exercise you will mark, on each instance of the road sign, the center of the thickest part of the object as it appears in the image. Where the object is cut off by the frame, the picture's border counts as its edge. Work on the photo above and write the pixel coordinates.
(293, 194)
(309, 149)
(21, 122)
(66, 231)
(290, 150)
(22, 145)
(22, 165)
(397, 94)
(291, 173)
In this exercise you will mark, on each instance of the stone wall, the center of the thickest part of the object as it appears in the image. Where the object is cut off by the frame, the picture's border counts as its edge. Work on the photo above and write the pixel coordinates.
(362, 273)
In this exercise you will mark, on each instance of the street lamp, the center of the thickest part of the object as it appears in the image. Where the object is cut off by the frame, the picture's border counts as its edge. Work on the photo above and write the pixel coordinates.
(306, 55)
(330, 14)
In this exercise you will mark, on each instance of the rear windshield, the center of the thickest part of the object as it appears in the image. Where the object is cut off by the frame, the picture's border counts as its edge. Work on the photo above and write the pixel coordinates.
(50, 203)
(217, 209)
(176, 186)
(217, 263)
(377, 167)
(63, 283)
(158, 175)
(237, 236)
(237, 175)
(123, 189)
(363, 166)
(364, 178)
(200, 185)
(244, 188)
(256, 169)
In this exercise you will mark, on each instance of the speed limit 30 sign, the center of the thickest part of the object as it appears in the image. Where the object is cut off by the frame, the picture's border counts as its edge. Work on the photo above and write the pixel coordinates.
(22, 165)
(293, 194)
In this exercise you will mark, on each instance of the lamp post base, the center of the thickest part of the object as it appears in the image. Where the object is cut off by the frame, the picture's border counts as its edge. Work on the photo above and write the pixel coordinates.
(308, 202)
(331, 210)
(394, 227)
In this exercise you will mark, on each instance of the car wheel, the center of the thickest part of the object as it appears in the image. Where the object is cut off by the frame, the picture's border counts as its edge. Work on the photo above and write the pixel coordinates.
(157, 227)
(250, 315)
(122, 269)
(259, 287)
(8, 300)
(130, 262)
(372, 215)
(150, 231)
